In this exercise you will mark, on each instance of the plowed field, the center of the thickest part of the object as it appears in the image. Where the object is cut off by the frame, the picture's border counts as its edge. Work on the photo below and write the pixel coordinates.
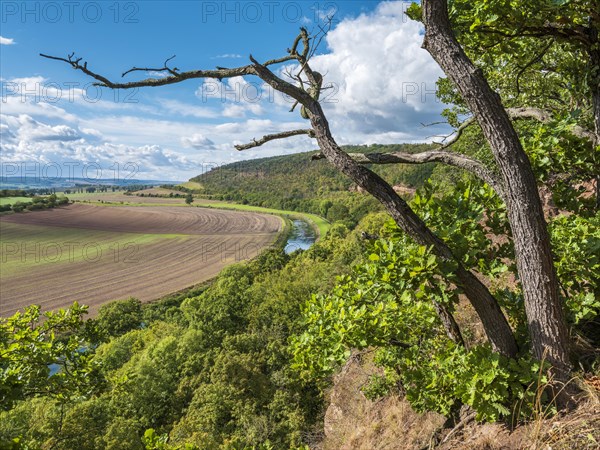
(95, 254)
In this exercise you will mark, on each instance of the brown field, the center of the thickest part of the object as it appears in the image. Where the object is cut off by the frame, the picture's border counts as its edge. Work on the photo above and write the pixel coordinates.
(143, 252)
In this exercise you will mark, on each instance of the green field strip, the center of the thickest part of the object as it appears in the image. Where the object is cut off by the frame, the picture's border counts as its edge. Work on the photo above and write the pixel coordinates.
(191, 185)
(318, 223)
(13, 200)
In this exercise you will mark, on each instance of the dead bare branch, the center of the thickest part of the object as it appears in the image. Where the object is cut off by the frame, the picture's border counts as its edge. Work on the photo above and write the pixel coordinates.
(545, 116)
(174, 71)
(272, 137)
(153, 82)
(459, 160)
(457, 134)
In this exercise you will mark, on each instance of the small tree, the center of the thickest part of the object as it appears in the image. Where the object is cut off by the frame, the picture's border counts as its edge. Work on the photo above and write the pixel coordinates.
(189, 199)
(119, 317)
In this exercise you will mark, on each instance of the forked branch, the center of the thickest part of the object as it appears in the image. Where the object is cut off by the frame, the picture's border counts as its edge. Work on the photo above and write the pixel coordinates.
(174, 71)
(175, 77)
(459, 160)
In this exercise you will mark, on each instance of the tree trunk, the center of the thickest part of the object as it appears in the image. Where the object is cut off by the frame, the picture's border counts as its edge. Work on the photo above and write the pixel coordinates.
(545, 316)
(450, 325)
(595, 88)
(494, 322)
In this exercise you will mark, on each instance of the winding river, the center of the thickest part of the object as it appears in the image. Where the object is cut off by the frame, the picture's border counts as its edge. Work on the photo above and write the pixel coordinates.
(301, 238)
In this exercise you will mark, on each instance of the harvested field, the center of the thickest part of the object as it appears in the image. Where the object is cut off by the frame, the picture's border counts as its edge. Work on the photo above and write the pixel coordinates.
(95, 254)
(150, 220)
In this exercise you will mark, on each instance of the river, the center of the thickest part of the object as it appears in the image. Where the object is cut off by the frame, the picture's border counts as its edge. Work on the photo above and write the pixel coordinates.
(301, 237)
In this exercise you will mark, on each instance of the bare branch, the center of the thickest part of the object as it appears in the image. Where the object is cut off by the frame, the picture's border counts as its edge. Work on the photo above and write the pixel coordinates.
(545, 116)
(271, 137)
(452, 159)
(280, 85)
(176, 76)
(323, 31)
(153, 82)
(173, 71)
(75, 64)
(541, 115)
(457, 134)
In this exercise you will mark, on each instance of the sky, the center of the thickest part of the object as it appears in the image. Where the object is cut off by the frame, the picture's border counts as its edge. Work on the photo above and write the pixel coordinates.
(54, 123)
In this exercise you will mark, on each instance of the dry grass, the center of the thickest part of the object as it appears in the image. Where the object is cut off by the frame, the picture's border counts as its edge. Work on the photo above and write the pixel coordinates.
(574, 430)
(354, 422)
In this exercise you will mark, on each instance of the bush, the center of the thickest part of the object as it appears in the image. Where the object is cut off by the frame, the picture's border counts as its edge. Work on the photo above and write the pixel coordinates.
(117, 318)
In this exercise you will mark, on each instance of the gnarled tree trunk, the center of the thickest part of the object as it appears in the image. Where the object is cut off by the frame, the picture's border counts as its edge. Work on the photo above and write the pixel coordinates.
(545, 316)
(496, 326)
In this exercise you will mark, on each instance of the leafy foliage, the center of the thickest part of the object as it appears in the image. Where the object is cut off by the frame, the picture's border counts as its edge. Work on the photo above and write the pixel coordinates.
(117, 318)
(576, 244)
(46, 355)
(387, 304)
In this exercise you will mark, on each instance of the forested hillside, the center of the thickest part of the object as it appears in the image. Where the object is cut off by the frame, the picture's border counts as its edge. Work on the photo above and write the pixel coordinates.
(299, 183)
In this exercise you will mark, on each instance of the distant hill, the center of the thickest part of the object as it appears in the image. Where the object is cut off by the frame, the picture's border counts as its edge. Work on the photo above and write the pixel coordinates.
(295, 182)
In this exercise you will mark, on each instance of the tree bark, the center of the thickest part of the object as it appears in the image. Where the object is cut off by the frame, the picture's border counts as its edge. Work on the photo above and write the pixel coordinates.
(450, 325)
(594, 53)
(545, 316)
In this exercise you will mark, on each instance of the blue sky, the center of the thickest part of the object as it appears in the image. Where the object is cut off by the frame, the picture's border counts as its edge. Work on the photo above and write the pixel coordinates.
(53, 122)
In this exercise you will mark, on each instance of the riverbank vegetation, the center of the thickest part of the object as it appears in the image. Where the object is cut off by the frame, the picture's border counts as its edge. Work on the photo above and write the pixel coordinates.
(211, 369)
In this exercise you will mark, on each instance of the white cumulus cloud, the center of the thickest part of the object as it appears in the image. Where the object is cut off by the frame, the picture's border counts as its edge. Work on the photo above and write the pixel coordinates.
(381, 82)
(198, 141)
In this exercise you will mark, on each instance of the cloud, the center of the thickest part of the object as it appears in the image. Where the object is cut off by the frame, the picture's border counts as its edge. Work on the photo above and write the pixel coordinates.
(6, 41)
(240, 110)
(228, 55)
(27, 130)
(198, 141)
(29, 143)
(186, 109)
(237, 96)
(16, 105)
(380, 81)
(157, 74)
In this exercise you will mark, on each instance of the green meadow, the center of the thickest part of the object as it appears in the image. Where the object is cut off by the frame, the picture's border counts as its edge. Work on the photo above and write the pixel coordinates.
(13, 200)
